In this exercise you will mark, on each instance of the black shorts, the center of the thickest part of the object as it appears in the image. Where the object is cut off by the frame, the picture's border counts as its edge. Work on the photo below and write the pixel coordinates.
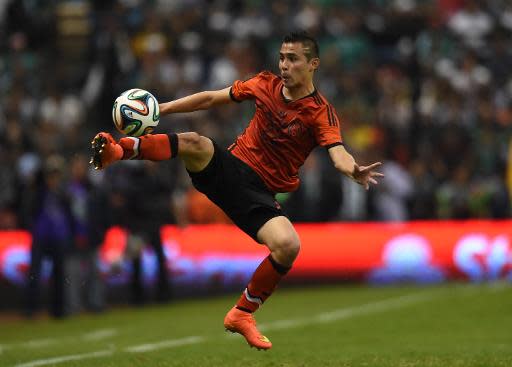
(237, 190)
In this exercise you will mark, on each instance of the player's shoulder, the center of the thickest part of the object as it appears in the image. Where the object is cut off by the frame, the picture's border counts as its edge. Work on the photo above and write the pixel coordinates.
(264, 75)
(268, 75)
(267, 79)
(318, 103)
(321, 109)
(265, 82)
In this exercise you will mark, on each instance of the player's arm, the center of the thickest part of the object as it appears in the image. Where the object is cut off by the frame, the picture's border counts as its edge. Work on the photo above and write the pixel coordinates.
(346, 164)
(198, 101)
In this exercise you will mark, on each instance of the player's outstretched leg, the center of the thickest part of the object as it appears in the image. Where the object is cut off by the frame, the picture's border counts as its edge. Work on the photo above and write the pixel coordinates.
(154, 147)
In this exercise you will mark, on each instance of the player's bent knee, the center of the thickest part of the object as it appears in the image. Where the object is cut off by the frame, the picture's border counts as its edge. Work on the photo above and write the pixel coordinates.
(195, 150)
(192, 143)
(286, 248)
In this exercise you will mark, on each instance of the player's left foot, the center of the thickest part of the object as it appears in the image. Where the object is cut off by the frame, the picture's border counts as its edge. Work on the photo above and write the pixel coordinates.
(105, 150)
(243, 323)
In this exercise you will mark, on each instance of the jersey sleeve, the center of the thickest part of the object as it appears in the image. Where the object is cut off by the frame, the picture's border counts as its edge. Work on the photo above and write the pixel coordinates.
(248, 89)
(327, 128)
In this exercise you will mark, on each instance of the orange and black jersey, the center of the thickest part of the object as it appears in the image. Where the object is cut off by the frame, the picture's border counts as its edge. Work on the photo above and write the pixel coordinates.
(282, 133)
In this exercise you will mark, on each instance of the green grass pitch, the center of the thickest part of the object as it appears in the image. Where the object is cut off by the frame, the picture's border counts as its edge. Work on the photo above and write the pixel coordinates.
(450, 325)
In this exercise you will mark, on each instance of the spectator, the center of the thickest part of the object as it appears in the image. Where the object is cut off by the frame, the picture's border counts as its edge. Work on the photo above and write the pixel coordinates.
(472, 24)
(90, 218)
(49, 218)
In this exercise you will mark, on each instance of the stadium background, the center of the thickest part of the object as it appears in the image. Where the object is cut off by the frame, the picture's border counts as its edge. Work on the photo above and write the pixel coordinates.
(424, 86)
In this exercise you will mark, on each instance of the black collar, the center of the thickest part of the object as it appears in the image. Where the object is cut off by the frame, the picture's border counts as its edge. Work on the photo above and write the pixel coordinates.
(287, 100)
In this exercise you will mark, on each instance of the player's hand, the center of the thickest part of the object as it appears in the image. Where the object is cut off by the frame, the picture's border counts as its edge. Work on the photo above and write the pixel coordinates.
(366, 175)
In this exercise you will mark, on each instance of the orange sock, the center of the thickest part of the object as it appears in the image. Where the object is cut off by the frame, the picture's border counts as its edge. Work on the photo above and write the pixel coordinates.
(262, 284)
(153, 147)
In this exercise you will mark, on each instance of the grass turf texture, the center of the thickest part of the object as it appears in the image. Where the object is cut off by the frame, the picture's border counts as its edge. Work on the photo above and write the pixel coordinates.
(450, 325)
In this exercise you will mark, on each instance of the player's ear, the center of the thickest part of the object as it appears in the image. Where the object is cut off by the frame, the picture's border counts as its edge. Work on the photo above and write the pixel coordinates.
(314, 63)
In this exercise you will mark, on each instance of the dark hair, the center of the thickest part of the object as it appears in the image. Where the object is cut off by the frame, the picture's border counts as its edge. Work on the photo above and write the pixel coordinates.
(308, 42)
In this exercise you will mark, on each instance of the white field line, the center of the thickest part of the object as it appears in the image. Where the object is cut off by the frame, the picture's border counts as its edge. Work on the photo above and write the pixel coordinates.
(40, 343)
(104, 353)
(68, 358)
(171, 343)
(349, 312)
(99, 334)
(335, 315)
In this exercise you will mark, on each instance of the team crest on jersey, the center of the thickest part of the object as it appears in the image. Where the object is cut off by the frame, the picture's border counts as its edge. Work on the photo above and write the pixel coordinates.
(295, 127)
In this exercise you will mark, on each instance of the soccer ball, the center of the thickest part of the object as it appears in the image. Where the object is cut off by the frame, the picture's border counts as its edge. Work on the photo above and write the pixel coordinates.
(136, 112)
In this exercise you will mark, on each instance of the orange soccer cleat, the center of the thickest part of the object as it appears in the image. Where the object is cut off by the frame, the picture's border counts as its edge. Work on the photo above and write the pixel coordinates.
(243, 323)
(105, 151)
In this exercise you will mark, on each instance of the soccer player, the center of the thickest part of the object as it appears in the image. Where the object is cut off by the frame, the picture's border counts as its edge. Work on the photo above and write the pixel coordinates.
(291, 119)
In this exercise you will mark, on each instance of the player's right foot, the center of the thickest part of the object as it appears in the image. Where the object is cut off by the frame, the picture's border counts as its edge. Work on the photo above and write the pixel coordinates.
(105, 151)
(243, 323)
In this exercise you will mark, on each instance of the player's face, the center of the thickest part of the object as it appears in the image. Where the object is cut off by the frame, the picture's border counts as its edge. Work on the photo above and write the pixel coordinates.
(296, 70)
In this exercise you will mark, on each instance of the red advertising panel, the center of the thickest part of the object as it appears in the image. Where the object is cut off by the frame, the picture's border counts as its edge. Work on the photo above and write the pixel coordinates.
(375, 252)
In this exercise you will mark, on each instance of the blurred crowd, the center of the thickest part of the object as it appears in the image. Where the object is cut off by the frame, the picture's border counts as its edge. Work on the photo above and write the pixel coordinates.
(423, 85)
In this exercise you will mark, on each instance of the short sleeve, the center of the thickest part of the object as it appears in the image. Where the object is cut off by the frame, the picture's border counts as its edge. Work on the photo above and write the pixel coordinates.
(242, 90)
(327, 127)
